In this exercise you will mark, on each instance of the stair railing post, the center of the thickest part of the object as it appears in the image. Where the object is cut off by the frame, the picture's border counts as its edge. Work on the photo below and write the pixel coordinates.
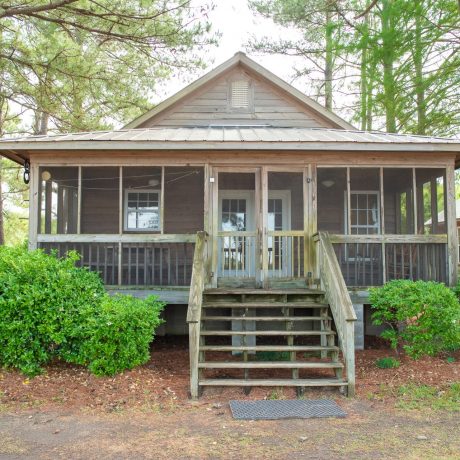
(350, 357)
(194, 310)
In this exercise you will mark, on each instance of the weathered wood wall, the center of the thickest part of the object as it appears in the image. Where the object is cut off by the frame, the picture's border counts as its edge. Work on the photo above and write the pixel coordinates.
(209, 105)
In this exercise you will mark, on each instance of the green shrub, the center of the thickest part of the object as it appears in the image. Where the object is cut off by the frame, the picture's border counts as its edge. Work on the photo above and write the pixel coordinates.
(50, 308)
(119, 336)
(387, 363)
(41, 299)
(423, 317)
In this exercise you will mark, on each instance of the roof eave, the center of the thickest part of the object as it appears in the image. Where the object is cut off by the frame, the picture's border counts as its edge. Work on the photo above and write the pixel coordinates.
(21, 150)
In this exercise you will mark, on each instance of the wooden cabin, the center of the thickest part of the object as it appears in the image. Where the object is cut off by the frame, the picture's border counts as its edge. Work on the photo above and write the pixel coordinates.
(259, 216)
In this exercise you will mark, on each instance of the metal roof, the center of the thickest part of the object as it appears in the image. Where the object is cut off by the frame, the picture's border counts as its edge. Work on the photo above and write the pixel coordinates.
(227, 138)
(225, 134)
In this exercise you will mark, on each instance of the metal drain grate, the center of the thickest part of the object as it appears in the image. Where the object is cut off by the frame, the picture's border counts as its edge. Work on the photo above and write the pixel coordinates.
(280, 409)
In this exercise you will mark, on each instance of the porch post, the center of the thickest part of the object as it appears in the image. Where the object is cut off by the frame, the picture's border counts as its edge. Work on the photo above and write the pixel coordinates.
(263, 227)
(452, 235)
(33, 206)
(214, 225)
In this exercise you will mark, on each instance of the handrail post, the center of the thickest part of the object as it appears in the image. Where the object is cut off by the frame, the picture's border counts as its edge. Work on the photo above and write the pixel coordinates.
(194, 309)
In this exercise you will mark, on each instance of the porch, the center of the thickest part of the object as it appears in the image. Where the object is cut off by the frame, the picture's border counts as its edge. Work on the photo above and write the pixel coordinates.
(137, 226)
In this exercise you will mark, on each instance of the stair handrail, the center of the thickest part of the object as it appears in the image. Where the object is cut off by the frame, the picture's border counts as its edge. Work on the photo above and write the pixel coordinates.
(338, 298)
(195, 301)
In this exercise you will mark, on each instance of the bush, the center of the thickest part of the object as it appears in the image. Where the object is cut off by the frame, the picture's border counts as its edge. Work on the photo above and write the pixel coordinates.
(119, 336)
(50, 308)
(423, 317)
(387, 363)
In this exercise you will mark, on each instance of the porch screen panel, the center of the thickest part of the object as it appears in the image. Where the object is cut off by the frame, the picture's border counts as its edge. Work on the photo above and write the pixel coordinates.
(285, 208)
(431, 206)
(100, 208)
(398, 200)
(331, 193)
(184, 199)
(141, 199)
(58, 198)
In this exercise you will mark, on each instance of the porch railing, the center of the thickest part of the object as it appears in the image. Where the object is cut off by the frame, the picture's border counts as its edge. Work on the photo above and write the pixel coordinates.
(338, 298)
(372, 260)
(130, 260)
(286, 254)
(237, 254)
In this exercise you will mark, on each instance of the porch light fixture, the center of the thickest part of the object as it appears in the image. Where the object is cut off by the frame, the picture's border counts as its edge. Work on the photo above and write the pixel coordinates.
(328, 183)
(153, 182)
(46, 175)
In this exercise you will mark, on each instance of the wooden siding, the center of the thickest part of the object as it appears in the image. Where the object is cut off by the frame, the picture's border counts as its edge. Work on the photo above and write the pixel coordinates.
(268, 106)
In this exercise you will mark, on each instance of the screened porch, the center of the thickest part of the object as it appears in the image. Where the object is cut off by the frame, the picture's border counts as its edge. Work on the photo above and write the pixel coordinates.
(137, 225)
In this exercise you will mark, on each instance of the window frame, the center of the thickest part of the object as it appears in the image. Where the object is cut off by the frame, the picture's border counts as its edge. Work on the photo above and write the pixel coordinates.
(379, 220)
(126, 207)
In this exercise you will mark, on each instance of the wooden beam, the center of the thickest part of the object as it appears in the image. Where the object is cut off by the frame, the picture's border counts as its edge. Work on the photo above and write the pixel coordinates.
(120, 200)
(414, 199)
(348, 202)
(389, 238)
(264, 228)
(115, 238)
(382, 226)
(452, 245)
(195, 303)
(215, 226)
(34, 207)
(162, 200)
(79, 200)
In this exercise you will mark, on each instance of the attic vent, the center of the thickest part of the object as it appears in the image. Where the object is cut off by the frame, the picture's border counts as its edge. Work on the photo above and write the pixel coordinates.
(239, 94)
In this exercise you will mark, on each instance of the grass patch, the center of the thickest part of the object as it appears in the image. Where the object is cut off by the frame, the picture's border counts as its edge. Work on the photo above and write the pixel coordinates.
(413, 396)
(387, 363)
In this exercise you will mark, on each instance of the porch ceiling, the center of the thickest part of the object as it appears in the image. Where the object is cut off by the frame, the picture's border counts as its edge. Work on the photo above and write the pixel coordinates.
(228, 137)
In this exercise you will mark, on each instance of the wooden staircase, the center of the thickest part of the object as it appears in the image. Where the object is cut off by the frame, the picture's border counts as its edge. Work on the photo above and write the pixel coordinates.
(287, 324)
(271, 337)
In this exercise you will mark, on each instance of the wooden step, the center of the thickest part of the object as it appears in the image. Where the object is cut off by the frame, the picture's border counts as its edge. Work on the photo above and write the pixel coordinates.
(273, 382)
(270, 365)
(265, 318)
(264, 305)
(268, 333)
(256, 348)
(251, 291)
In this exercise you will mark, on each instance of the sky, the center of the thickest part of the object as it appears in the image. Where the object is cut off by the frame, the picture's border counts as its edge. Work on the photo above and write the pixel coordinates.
(237, 24)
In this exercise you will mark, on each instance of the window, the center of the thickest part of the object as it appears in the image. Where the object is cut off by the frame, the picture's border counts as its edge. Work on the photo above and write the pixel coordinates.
(142, 210)
(233, 215)
(364, 213)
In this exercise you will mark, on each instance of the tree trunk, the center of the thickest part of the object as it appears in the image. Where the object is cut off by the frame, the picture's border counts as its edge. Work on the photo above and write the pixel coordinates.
(418, 65)
(2, 227)
(388, 64)
(364, 76)
(329, 60)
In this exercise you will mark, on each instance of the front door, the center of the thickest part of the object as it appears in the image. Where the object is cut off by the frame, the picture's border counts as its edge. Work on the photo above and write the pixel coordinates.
(237, 231)
(258, 226)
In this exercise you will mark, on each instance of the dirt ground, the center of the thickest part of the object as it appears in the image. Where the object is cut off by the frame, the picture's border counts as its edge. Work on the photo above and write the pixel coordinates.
(146, 413)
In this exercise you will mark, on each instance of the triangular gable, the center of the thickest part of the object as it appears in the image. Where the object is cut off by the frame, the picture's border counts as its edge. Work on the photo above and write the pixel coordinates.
(274, 102)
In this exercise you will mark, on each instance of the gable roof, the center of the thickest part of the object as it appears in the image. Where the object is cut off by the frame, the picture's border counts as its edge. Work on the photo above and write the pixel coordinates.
(240, 59)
